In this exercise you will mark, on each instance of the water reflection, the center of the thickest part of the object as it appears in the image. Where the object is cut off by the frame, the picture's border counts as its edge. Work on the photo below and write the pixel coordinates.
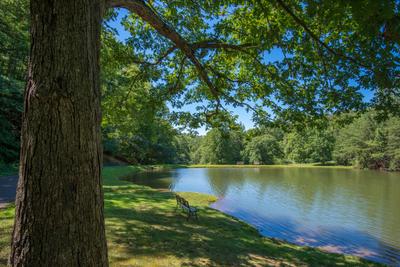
(339, 210)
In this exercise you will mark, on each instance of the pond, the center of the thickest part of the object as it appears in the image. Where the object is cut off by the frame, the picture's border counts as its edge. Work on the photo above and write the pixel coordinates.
(336, 209)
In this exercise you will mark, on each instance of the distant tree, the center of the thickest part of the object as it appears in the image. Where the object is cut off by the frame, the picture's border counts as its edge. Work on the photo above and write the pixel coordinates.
(195, 151)
(184, 145)
(265, 149)
(220, 147)
(393, 143)
(309, 145)
(369, 143)
(322, 144)
(263, 144)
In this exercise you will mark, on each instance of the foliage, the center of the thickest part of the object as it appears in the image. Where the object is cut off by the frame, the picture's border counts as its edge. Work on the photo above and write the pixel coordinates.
(14, 47)
(135, 118)
(309, 145)
(220, 146)
(303, 59)
(273, 166)
(8, 169)
(263, 149)
(370, 143)
(185, 145)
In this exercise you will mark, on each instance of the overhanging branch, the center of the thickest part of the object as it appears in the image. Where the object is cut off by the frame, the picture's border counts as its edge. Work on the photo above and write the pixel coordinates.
(212, 44)
(160, 58)
(148, 14)
(145, 12)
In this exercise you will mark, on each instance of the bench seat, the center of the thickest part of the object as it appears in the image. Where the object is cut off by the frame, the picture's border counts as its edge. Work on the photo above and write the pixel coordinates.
(185, 206)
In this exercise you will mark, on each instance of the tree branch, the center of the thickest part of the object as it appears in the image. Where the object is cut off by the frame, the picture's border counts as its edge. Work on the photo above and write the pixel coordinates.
(180, 73)
(159, 60)
(226, 77)
(213, 44)
(240, 103)
(140, 8)
(315, 37)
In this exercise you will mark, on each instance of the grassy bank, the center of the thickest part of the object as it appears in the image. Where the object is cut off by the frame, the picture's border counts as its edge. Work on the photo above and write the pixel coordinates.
(143, 229)
(294, 165)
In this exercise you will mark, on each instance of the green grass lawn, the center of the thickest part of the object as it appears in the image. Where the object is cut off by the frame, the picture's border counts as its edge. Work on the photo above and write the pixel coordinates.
(144, 229)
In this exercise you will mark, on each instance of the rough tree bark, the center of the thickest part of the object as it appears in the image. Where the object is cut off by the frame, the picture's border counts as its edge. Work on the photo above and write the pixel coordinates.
(59, 205)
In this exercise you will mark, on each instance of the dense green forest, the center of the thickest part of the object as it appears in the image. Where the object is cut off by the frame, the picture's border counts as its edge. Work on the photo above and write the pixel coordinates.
(365, 143)
(138, 127)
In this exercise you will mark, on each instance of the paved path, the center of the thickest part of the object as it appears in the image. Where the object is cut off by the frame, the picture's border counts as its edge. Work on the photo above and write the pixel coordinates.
(8, 188)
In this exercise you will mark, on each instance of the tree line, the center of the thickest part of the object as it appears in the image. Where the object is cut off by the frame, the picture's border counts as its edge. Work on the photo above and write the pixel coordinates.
(366, 142)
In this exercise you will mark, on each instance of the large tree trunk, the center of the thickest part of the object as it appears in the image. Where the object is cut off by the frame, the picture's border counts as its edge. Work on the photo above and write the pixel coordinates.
(59, 206)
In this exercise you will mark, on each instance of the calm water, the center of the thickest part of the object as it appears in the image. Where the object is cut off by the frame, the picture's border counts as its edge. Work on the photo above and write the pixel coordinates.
(339, 210)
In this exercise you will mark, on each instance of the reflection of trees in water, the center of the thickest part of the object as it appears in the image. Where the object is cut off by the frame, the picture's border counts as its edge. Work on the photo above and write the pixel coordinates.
(154, 179)
(221, 180)
(367, 200)
(370, 198)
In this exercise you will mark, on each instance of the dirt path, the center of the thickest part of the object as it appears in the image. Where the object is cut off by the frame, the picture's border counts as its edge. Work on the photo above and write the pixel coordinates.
(8, 187)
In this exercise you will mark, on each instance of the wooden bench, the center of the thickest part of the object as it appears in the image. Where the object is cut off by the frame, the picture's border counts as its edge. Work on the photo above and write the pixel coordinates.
(185, 206)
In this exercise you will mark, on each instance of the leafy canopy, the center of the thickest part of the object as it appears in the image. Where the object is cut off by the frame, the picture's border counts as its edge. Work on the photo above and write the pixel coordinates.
(329, 52)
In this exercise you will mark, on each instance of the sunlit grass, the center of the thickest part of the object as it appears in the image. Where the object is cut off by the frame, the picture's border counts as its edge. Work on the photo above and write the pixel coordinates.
(144, 228)
(6, 223)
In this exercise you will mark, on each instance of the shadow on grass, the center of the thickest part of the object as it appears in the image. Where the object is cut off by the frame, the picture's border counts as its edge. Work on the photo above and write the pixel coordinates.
(142, 222)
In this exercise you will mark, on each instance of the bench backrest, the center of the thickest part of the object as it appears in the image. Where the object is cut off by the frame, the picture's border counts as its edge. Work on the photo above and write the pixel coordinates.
(181, 201)
(178, 199)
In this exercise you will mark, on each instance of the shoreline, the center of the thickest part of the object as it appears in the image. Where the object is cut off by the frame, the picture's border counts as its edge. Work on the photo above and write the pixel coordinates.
(305, 165)
(244, 223)
(272, 239)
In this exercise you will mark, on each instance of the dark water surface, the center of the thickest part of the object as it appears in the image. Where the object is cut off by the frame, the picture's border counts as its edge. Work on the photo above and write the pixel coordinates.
(339, 210)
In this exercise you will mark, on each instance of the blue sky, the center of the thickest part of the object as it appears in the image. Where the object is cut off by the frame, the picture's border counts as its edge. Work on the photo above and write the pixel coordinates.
(244, 117)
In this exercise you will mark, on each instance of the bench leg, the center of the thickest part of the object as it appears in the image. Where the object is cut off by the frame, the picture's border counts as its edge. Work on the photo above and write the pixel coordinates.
(192, 214)
(177, 206)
